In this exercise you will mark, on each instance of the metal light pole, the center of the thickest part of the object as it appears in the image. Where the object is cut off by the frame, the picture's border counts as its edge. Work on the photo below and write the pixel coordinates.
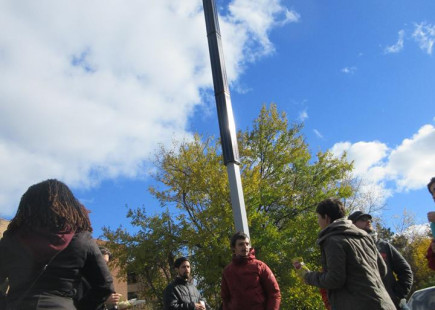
(225, 115)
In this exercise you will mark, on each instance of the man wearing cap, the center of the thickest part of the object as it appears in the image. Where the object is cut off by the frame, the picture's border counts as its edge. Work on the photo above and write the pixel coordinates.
(398, 280)
(181, 293)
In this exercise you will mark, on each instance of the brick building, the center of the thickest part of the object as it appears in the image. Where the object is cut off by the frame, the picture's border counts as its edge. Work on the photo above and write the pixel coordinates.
(3, 225)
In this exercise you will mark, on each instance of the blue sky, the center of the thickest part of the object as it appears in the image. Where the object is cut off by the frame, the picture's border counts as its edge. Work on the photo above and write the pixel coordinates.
(89, 90)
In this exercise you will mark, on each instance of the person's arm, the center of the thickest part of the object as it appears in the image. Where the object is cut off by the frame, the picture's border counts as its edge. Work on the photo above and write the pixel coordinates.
(403, 271)
(3, 280)
(431, 256)
(172, 301)
(382, 267)
(225, 293)
(97, 274)
(270, 287)
(335, 275)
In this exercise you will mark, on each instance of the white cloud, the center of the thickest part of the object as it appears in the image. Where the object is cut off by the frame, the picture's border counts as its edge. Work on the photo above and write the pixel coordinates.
(348, 70)
(88, 89)
(407, 166)
(411, 164)
(303, 115)
(398, 46)
(256, 19)
(367, 157)
(424, 35)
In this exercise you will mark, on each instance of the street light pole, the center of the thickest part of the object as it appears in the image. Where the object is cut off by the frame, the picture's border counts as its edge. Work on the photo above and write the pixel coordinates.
(227, 126)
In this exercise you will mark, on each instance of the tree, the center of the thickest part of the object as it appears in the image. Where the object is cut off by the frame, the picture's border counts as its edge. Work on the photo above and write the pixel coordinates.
(282, 184)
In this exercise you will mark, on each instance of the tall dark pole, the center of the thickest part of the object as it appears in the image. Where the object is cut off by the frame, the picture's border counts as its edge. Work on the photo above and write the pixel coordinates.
(225, 115)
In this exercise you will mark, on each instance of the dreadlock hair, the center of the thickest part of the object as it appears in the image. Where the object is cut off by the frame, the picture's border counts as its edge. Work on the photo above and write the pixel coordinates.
(432, 181)
(51, 204)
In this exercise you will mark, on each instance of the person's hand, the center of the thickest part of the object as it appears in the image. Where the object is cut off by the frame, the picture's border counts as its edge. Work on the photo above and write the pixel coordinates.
(402, 304)
(297, 265)
(199, 306)
(431, 217)
(301, 269)
(113, 299)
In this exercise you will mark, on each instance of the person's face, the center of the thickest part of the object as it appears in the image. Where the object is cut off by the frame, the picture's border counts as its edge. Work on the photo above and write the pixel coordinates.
(323, 221)
(432, 190)
(106, 258)
(184, 270)
(242, 247)
(364, 223)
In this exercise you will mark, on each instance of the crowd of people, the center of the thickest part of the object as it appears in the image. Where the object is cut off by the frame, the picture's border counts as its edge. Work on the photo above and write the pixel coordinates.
(48, 260)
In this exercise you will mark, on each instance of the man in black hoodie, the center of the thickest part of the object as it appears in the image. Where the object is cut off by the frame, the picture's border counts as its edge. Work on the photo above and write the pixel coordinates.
(398, 280)
(181, 294)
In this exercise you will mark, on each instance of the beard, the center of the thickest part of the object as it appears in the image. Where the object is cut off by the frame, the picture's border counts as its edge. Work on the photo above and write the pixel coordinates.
(185, 276)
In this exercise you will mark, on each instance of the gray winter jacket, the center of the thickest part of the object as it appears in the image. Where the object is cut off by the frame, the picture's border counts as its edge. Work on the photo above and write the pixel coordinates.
(352, 269)
(181, 294)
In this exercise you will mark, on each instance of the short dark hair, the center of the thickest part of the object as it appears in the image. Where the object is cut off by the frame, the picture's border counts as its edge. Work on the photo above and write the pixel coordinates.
(432, 181)
(238, 236)
(331, 207)
(179, 261)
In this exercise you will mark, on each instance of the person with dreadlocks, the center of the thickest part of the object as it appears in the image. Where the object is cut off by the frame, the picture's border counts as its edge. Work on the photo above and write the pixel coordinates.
(47, 249)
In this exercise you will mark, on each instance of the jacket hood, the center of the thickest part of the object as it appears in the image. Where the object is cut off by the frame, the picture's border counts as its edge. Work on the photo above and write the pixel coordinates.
(340, 226)
(42, 243)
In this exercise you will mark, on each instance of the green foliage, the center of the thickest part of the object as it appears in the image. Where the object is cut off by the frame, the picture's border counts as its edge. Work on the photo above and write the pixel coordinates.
(416, 256)
(282, 184)
(413, 249)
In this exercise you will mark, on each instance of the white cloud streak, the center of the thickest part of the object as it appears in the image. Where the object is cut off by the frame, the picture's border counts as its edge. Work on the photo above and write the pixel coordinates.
(424, 35)
(348, 70)
(398, 46)
(89, 89)
(318, 133)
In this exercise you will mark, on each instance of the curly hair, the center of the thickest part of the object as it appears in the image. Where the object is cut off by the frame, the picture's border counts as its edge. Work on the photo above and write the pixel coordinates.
(331, 207)
(51, 204)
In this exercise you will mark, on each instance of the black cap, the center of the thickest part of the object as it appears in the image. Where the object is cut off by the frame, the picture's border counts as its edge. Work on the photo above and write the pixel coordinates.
(179, 261)
(357, 215)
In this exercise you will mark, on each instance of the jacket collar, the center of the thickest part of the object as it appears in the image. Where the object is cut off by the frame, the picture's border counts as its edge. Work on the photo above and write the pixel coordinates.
(340, 226)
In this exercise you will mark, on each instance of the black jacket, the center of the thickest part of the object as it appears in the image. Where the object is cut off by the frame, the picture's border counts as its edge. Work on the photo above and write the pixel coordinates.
(80, 258)
(395, 262)
(181, 294)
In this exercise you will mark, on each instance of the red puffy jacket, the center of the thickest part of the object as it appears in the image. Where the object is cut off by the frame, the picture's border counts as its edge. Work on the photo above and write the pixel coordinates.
(430, 257)
(249, 284)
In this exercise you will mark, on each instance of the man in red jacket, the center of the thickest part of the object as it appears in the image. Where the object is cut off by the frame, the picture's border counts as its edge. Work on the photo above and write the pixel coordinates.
(248, 283)
(431, 217)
